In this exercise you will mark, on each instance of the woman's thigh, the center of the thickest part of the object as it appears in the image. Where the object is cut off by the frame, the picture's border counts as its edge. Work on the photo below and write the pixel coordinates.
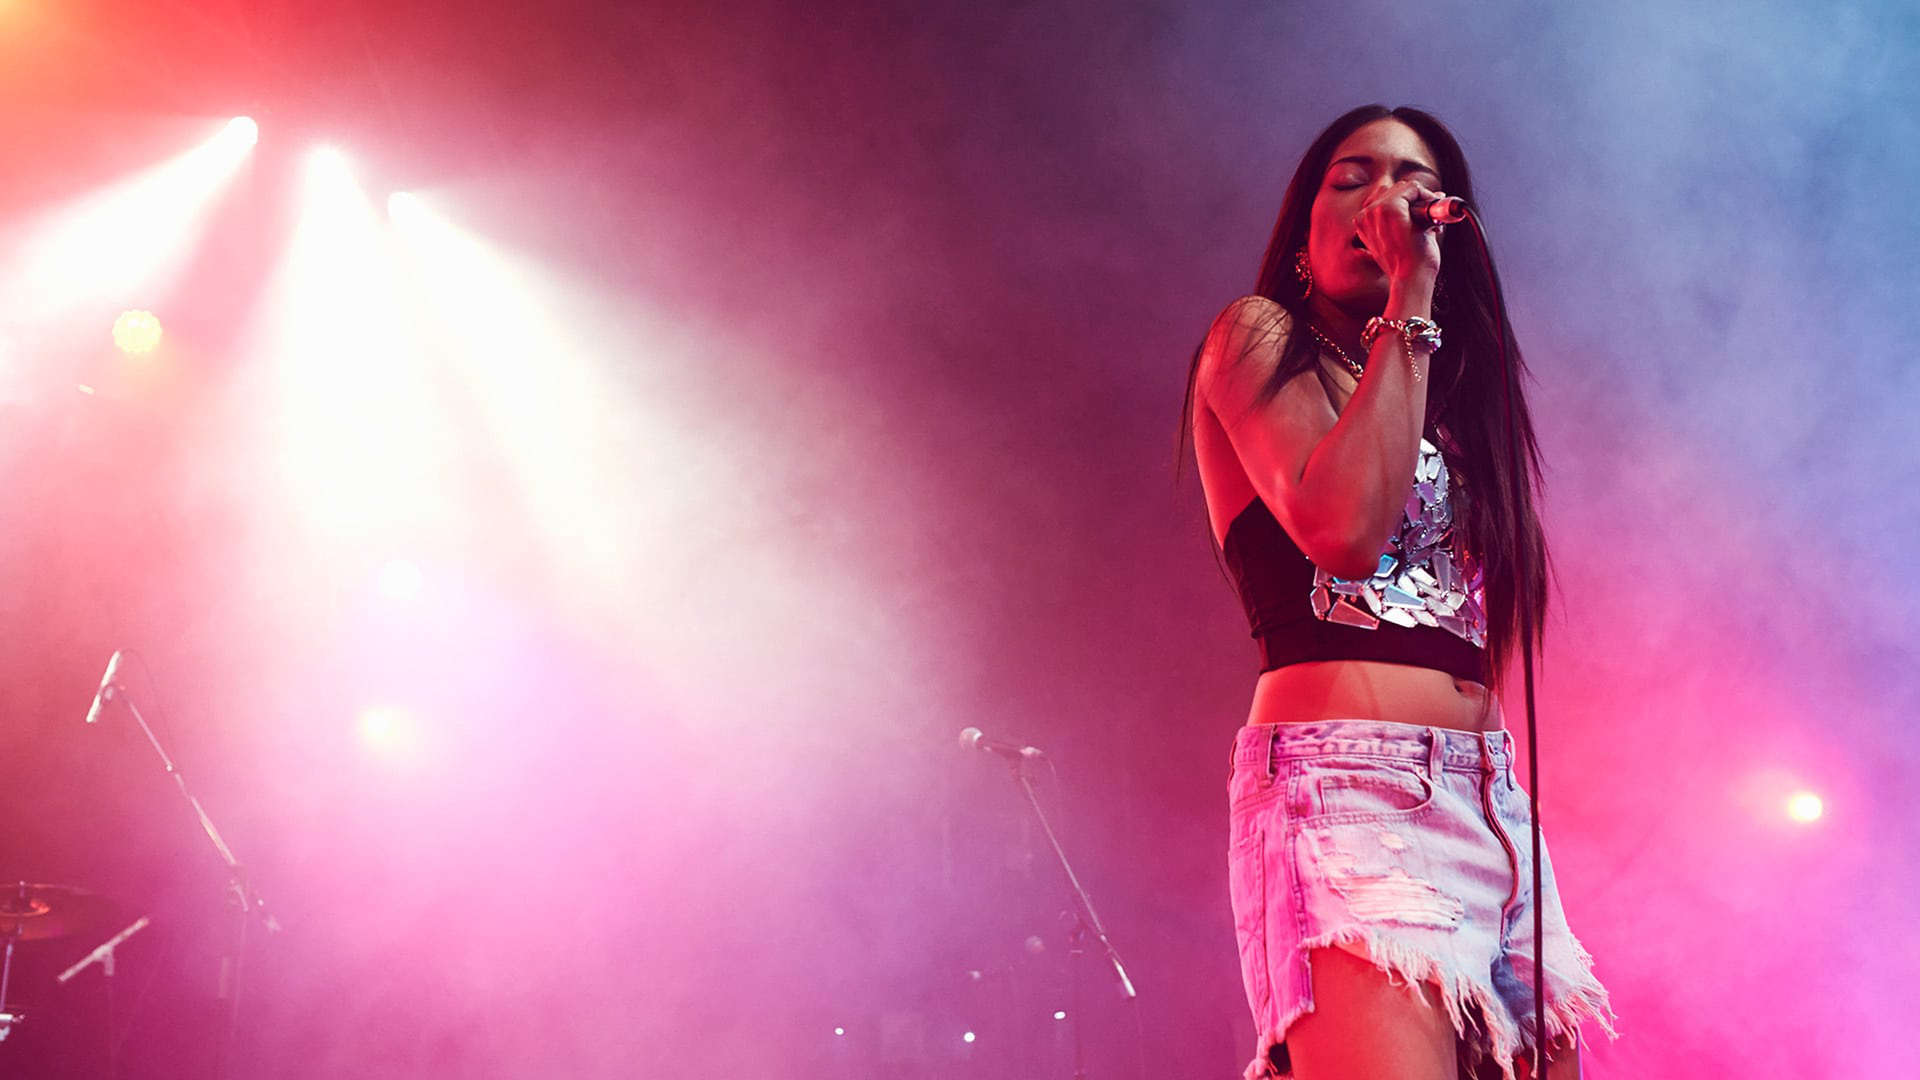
(1562, 1064)
(1565, 1065)
(1364, 1026)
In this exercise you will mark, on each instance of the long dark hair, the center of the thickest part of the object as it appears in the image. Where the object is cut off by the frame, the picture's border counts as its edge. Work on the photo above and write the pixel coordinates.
(1467, 403)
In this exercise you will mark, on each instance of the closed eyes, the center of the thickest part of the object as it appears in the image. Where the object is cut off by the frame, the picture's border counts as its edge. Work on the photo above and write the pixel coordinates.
(1401, 170)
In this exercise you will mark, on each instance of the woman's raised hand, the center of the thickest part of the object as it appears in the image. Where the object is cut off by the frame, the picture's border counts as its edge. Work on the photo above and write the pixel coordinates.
(1386, 226)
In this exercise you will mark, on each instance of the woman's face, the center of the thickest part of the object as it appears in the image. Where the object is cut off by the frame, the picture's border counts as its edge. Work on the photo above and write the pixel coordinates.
(1376, 156)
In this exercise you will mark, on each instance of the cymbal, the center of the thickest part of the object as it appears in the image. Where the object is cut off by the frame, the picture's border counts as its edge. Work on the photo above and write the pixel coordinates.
(37, 912)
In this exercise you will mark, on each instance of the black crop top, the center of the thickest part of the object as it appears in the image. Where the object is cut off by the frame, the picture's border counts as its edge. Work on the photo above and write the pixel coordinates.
(1422, 606)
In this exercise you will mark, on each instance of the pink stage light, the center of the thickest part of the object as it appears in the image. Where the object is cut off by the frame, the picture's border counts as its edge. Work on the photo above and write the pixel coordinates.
(1805, 807)
(137, 332)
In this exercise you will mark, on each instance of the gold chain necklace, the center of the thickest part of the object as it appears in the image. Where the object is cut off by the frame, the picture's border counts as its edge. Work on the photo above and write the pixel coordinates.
(1352, 365)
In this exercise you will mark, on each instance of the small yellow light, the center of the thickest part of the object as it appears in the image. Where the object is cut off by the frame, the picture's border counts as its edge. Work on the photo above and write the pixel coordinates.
(1805, 807)
(136, 332)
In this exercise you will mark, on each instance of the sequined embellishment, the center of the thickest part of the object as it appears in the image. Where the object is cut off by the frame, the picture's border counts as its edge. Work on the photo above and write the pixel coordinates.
(1422, 579)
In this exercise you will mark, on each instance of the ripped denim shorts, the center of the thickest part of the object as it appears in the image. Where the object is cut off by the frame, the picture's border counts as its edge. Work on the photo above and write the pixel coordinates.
(1407, 846)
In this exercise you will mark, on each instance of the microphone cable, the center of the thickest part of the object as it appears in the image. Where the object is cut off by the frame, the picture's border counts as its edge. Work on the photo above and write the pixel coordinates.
(1517, 481)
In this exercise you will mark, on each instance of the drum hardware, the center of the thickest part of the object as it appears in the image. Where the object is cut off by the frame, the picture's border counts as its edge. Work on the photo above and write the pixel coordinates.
(30, 912)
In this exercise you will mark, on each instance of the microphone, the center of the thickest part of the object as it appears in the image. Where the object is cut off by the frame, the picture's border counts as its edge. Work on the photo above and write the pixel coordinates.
(974, 739)
(108, 683)
(1445, 210)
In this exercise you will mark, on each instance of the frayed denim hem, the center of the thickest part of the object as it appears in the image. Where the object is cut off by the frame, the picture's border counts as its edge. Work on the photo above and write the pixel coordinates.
(1480, 1020)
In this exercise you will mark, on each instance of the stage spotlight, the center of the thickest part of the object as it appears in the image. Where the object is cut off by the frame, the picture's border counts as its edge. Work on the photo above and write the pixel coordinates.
(361, 432)
(555, 420)
(137, 332)
(1805, 807)
(124, 241)
(1060, 1014)
(330, 161)
(402, 203)
(242, 131)
(387, 729)
(967, 1038)
(839, 1031)
(401, 580)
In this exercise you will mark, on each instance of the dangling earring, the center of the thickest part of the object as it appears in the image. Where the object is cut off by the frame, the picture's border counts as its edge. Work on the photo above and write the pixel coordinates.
(1303, 270)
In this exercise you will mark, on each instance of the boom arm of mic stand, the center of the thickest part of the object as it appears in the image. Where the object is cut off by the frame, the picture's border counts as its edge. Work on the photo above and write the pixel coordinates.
(104, 954)
(249, 901)
(1073, 882)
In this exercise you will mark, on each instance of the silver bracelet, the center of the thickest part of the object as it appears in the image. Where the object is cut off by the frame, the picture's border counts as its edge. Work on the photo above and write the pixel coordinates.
(1414, 331)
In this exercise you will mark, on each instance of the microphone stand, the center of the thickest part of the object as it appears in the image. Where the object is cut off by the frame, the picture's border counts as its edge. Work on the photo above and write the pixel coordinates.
(1084, 921)
(246, 902)
(8, 1016)
(104, 957)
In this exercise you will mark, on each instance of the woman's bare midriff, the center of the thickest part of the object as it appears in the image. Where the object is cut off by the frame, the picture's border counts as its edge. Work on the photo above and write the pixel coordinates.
(1367, 690)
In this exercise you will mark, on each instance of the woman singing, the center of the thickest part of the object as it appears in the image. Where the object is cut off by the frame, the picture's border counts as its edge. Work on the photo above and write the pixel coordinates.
(1353, 442)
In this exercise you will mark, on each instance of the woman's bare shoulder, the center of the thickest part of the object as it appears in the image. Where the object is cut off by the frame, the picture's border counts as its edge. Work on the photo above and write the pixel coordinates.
(1242, 351)
(1251, 320)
